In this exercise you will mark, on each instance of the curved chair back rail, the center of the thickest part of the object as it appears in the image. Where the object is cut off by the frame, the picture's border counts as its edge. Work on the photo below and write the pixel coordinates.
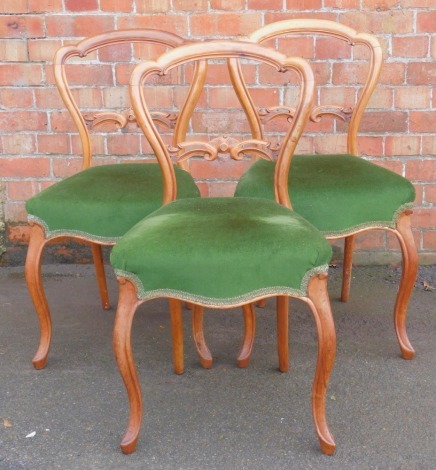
(222, 49)
(83, 49)
(327, 28)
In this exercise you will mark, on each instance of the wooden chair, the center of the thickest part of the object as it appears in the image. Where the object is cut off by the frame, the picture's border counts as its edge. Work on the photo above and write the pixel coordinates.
(211, 251)
(340, 194)
(99, 203)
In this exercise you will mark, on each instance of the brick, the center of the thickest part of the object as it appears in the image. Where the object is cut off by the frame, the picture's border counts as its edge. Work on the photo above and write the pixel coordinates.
(342, 4)
(24, 167)
(433, 47)
(118, 6)
(412, 97)
(417, 3)
(123, 144)
(382, 98)
(329, 144)
(152, 6)
(44, 6)
(15, 212)
(43, 50)
(53, 143)
(116, 53)
(388, 121)
(410, 46)
(13, 50)
(262, 5)
(98, 144)
(21, 26)
(301, 46)
(384, 22)
(20, 74)
(390, 164)
(403, 145)
(426, 21)
(429, 145)
(379, 5)
(48, 98)
(230, 5)
(175, 23)
(221, 169)
(421, 73)
(337, 96)
(81, 5)
(421, 170)
(89, 74)
(222, 189)
(430, 193)
(429, 240)
(393, 74)
(303, 4)
(78, 25)
(278, 16)
(16, 97)
(370, 240)
(18, 144)
(424, 218)
(23, 120)
(224, 24)
(330, 48)
(22, 190)
(64, 167)
(370, 145)
(60, 121)
(349, 73)
(190, 5)
(13, 6)
(422, 121)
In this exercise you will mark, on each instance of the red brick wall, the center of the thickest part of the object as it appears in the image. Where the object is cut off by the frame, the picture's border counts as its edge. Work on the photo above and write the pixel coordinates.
(399, 132)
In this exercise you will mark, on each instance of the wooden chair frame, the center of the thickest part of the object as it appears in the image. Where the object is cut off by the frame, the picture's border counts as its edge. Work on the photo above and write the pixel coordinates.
(403, 230)
(130, 298)
(38, 236)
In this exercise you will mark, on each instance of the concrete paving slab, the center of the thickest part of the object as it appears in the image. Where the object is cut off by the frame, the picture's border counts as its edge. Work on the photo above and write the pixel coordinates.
(381, 408)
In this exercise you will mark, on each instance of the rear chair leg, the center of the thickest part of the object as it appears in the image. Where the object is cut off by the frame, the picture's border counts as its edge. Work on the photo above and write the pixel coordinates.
(249, 332)
(97, 255)
(347, 268)
(198, 333)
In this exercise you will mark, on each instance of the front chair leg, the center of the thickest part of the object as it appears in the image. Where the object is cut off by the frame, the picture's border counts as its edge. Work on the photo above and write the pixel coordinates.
(319, 303)
(249, 332)
(198, 333)
(127, 305)
(97, 255)
(407, 283)
(348, 267)
(36, 290)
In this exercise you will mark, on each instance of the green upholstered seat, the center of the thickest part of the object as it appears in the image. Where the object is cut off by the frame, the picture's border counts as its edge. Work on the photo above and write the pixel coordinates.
(338, 194)
(221, 251)
(102, 203)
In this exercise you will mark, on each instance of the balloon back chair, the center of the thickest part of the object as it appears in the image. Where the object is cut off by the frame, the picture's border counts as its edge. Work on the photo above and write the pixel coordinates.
(220, 252)
(339, 193)
(99, 203)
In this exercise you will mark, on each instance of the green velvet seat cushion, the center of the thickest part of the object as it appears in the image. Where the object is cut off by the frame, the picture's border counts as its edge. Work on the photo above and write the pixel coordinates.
(220, 251)
(336, 193)
(103, 202)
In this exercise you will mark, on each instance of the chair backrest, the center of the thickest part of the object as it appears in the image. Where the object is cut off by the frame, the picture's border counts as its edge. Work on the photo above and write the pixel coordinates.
(104, 63)
(203, 142)
(343, 72)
